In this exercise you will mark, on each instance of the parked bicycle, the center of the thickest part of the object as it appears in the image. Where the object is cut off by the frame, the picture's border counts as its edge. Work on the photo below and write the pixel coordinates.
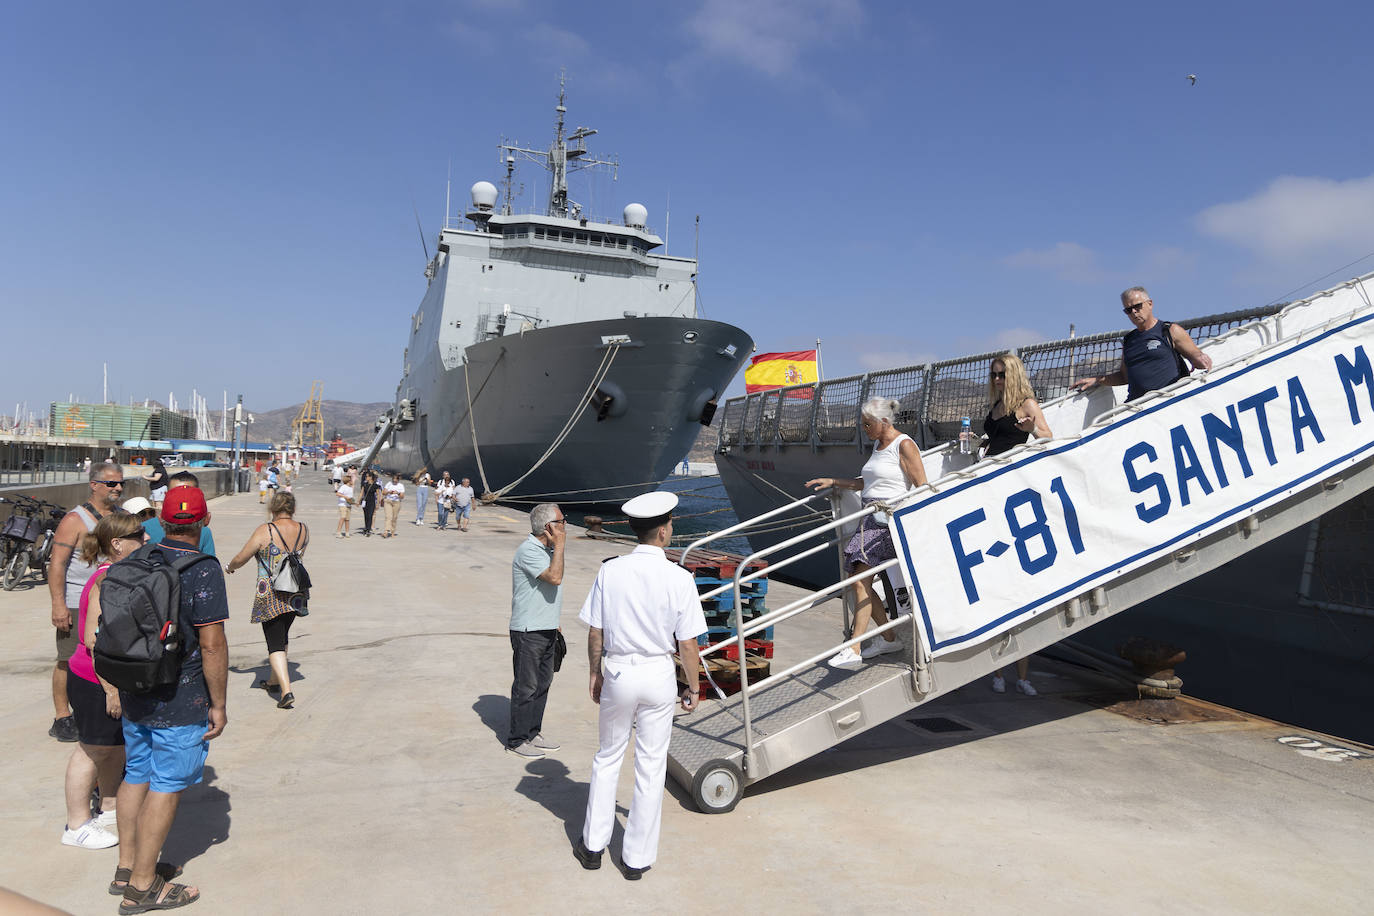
(27, 538)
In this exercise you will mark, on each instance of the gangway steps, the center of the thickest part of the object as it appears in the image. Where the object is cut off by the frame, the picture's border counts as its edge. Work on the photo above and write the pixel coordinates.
(816, 707)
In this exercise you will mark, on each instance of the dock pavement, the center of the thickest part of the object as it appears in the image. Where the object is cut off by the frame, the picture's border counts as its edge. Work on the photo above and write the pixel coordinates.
(387, 789)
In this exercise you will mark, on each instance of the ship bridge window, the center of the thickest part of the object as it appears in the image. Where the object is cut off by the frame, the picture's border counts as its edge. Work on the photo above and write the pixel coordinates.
(567, 235)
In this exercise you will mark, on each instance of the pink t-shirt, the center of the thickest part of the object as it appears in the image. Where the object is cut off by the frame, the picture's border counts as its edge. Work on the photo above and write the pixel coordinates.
(81, 664)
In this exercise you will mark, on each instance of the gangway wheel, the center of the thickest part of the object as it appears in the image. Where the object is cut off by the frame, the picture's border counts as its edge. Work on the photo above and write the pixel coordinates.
(718, 786)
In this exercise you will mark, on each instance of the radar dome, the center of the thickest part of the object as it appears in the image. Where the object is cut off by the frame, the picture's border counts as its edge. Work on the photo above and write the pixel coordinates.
(636, 216)
(484, 195)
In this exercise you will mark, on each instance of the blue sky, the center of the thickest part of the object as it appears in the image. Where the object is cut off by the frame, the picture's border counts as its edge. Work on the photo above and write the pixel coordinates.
(220, 196)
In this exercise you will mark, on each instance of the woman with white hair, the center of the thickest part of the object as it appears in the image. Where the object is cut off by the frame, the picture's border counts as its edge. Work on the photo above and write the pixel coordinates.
(893, 469)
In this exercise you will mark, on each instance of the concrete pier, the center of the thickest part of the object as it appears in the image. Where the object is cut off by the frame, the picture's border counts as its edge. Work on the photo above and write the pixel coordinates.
(387, 789)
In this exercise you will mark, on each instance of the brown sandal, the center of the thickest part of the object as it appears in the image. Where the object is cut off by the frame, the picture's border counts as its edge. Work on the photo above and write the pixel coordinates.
(137, 901)
(164, 870)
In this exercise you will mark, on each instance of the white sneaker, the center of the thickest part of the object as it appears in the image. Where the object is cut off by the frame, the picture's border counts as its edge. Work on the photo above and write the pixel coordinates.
(89, 835)
(107, 820)
(1026, 688)
(845, 658)
(998, 685)
(880, 646)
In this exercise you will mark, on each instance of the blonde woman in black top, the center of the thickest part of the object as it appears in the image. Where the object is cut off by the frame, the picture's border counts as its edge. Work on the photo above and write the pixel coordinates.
(1014, 417)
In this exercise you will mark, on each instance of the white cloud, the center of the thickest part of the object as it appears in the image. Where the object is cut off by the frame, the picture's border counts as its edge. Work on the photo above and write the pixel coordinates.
(770, 35)
(1296, 216)
(1068, 260)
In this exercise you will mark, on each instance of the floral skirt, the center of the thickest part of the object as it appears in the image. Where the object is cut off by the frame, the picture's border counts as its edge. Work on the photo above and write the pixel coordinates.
(871, 543)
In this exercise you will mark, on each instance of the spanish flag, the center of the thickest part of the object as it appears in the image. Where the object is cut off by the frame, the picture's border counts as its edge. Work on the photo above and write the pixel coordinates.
(778, 370)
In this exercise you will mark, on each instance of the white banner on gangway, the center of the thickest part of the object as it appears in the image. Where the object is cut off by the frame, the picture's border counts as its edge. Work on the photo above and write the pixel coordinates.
(985, 555)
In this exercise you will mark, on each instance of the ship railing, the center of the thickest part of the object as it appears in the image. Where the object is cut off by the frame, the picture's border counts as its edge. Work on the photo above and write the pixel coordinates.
(934, 397)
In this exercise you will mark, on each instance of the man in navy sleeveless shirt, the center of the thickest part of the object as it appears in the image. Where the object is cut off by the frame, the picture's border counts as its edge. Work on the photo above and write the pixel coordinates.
(1150, 353)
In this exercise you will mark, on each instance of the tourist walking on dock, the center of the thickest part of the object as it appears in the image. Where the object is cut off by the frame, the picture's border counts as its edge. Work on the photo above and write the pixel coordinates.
(167, 730)
(393, 494)
(1152, 355)
(67, 578)
(157, 482)
(1012, 419)
(346, 501)
(443, 498)
(269, 544)
(97, 761)
(536, 601)
(462, 503)
(422, 480)
(642, 608)
(154, 527)
(894, 468)
(371, 492)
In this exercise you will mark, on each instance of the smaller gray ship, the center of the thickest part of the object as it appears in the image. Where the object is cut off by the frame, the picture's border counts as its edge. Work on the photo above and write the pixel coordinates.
(554, 355)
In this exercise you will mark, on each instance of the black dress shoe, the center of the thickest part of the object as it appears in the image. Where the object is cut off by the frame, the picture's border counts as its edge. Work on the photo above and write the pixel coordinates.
(632, 874)
(590, 860)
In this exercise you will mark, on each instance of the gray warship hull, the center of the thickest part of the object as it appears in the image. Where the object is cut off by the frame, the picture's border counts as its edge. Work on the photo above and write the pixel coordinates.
(516, 399)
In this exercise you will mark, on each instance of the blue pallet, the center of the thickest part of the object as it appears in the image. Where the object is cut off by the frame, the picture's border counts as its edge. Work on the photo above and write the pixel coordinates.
(753, 587)
(716, 634)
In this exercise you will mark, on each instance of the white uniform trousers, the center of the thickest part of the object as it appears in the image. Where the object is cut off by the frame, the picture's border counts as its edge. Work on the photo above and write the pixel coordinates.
(637, 691)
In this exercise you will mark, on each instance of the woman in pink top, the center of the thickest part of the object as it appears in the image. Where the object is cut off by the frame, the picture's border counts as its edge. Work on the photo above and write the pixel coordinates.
(98, 757)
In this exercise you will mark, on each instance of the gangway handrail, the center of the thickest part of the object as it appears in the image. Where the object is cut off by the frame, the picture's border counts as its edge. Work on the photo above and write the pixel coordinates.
(725, 532)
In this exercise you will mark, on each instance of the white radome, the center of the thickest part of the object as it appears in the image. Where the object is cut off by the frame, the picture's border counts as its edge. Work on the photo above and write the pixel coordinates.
(484, 194)
(636, 216)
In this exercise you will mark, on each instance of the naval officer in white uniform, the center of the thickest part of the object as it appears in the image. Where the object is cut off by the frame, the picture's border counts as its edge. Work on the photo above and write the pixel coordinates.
(642, 608)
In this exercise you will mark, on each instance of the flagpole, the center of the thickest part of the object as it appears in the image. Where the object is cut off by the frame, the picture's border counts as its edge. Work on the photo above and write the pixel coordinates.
(820, 373)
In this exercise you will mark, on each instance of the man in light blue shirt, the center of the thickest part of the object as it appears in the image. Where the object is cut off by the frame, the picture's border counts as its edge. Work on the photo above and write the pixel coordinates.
(536, 601)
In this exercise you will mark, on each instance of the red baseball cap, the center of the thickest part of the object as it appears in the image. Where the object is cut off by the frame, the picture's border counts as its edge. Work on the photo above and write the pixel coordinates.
(184, 506)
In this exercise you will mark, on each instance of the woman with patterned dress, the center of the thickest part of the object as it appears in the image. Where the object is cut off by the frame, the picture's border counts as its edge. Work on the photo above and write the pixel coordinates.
(893, 469)
(276, 611)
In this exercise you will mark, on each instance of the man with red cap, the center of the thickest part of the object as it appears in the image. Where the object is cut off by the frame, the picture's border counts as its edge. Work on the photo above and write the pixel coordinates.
(167, 730)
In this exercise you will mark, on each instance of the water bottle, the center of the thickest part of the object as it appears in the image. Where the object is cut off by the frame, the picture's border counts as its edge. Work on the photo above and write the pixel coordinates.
(965, 437)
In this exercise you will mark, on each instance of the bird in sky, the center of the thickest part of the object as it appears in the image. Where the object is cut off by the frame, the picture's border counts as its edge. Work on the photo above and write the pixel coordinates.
(1192, 79)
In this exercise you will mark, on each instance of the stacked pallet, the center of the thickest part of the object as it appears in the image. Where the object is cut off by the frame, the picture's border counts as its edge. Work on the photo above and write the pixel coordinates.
(711, 570)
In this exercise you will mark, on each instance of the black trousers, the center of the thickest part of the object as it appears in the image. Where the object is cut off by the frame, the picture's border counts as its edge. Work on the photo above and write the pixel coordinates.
(368, 510)
(532, 661)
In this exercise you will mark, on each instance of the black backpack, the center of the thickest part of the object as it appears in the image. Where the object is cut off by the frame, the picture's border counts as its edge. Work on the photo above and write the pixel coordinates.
(138, 646)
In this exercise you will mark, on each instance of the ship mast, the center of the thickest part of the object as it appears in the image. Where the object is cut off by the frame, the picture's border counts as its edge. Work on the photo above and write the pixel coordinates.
(567, 154)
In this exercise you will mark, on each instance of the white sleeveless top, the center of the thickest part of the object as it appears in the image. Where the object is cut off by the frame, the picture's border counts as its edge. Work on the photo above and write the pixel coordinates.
(883, 477)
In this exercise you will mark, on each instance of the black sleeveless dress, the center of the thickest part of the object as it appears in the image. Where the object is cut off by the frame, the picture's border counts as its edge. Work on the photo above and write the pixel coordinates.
(1002, 434)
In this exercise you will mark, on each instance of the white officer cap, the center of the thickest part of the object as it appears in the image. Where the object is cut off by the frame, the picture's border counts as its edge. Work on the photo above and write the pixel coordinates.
(650, 510)
(650, 505)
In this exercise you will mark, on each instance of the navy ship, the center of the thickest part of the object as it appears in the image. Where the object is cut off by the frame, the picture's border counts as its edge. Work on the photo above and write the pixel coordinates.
(553, 355)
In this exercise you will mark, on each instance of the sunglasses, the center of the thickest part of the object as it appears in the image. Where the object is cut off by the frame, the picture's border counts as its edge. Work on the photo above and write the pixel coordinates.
(111, 483)
(997, 375)
(1131, 309)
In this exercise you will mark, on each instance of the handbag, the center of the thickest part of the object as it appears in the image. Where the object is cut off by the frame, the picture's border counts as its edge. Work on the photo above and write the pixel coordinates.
(560, 649)
(291, 576)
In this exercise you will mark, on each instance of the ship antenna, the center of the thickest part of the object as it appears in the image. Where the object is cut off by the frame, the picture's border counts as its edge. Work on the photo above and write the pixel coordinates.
(558, 155)
(420, 227)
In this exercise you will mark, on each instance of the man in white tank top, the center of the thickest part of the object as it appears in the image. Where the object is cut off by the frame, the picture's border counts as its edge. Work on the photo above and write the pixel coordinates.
(67, 577)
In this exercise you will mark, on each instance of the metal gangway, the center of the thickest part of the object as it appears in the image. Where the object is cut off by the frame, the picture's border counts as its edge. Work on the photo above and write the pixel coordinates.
(807, 707)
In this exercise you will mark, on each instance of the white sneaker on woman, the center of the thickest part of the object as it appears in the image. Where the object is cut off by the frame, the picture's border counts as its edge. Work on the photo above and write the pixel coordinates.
(1025, 687)
(845, 658)
(998, 684)
(880, 646)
